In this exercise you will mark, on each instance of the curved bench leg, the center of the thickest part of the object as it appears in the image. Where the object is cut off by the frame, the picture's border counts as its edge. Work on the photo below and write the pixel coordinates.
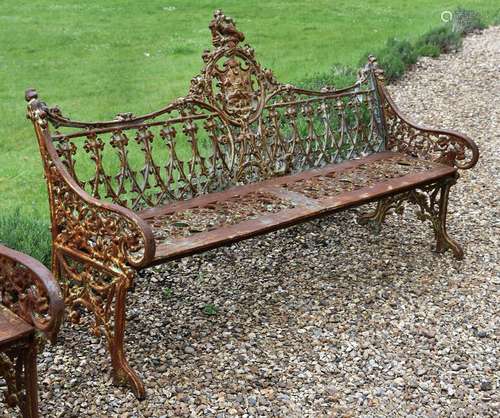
(433, 204)
(102, 292)
(432, 201)
(438, 218)
(376, 217)
(123, 374)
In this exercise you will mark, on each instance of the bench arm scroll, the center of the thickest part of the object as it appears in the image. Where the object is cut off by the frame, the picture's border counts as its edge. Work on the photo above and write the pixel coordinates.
(109, 236)
(30, 291)
(439, 145)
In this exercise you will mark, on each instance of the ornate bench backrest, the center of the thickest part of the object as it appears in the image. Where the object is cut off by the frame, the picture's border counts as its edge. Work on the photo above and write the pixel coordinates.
(236, 125)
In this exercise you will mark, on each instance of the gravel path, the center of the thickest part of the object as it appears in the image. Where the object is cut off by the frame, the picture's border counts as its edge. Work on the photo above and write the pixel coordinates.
(324, 319)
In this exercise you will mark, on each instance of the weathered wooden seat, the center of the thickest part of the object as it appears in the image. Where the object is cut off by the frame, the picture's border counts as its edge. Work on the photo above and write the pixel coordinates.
(216, 219)
(31, 308)
(12, 327)
(240, 155)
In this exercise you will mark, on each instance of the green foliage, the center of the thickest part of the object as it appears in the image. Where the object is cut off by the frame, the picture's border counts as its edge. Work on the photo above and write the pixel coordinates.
(96, 70)
(167, 292)
(210, 309)
(403, 49)
(339, 76)
(394, 58)
(442, 37)
(28, 234)
(393, 65)
(428, 50)
(466, 21)
(398, 55)
(496, 18)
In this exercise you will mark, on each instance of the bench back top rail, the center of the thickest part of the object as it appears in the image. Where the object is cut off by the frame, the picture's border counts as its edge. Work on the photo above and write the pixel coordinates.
(236, 125)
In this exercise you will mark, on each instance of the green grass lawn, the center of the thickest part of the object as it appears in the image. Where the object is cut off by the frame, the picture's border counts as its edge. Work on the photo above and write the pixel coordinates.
(97, 58)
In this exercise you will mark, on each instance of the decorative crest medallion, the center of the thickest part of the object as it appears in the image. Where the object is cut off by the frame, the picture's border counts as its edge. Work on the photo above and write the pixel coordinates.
(232, 82)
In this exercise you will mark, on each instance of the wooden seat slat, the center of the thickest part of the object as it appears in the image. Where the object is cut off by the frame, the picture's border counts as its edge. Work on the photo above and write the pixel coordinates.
(301, 207)
(12, 327)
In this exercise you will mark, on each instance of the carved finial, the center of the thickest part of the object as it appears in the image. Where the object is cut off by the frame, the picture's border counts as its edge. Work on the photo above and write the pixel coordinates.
(30, 94)
(377, 71)
(372, 60)
(37, 110)
(371, 67)
(224, 31)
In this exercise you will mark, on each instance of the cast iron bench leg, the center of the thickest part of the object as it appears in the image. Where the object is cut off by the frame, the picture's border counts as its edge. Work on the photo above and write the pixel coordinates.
(443, 240)
(109, 309)
(123, 374)
(28, 380)
(376, 217)
(18, 369)
(433, 204)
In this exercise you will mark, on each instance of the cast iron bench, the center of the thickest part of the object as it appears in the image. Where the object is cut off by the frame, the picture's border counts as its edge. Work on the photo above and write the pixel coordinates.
(31, 310)
(240, 155)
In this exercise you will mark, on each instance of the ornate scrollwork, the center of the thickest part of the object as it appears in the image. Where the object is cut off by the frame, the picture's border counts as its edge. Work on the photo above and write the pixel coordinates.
(86, 285)
(22, 293)
(232, 81)
(236, 125)
(441, 146)
(27, 290)
(432, 201)
(101, 234)
(224, 31)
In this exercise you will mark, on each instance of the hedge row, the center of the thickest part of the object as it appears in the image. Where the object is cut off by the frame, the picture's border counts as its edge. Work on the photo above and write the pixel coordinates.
(400, 54)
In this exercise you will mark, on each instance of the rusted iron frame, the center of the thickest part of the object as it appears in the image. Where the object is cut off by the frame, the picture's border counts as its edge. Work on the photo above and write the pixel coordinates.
(432, 202)
(18, 369)
(123, 265)
(30, 292)
(27, 308)
(438, 139)
(110, 319)
(140, 121)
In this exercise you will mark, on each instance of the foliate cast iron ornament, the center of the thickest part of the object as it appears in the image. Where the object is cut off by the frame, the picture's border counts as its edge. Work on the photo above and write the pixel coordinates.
(32, 311)
(237, 125)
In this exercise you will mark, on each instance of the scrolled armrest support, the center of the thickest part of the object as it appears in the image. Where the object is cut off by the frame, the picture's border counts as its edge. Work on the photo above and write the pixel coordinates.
(108, 234)
(29, 290)
(444, 146)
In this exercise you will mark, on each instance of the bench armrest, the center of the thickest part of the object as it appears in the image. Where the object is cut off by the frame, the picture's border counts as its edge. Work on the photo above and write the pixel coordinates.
(101, 233)
(29, 290)
(439, 145)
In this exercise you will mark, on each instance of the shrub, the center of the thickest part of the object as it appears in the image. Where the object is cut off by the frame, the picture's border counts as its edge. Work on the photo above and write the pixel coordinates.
(392, 64)
(496, 18)
(394, 58)
(428, 50)
(466, 21)
(339, 76)
(28, 234)
(442, 37)
(404, 49)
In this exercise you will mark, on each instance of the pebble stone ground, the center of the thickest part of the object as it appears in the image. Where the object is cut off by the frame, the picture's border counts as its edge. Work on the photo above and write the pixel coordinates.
(324, 319)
